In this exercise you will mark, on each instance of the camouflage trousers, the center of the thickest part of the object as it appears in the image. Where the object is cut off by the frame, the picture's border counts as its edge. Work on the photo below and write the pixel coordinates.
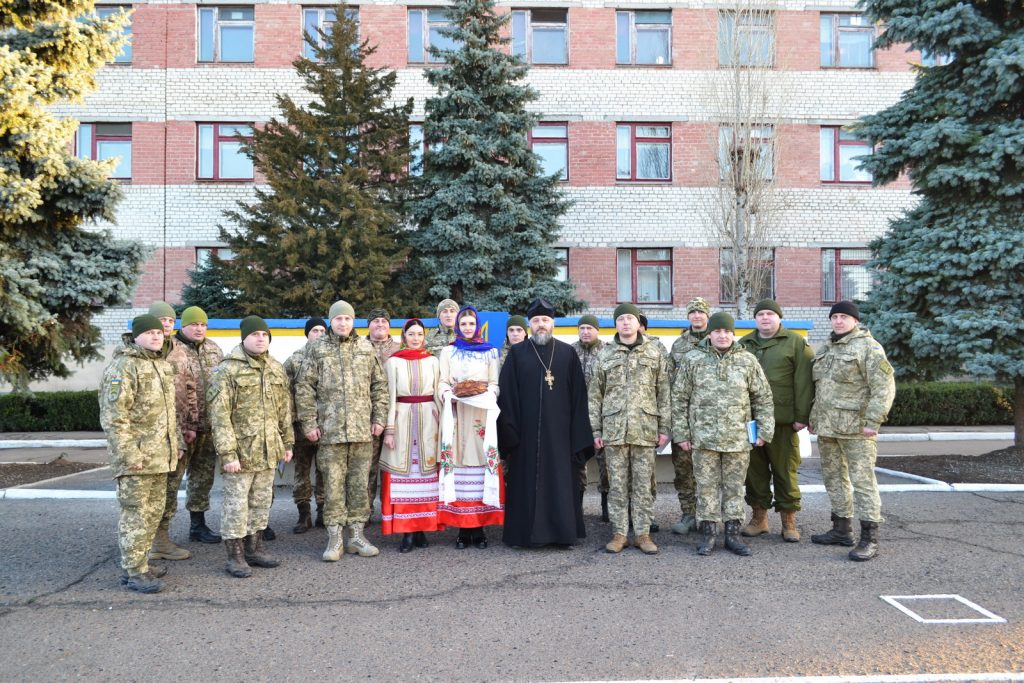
(202, 467)
(775, 465)
(629, 490)
(602, 468)
(848, 468)
(682, 463)
(719, 478)
(140, 501)
(247, 500)
(173, 484)
(345, 467)
(304, 454)
(374, 474)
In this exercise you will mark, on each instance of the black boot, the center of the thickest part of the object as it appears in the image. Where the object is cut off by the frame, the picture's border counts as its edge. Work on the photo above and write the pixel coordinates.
(419, 539)
(841, 533)
(268, 534)
(463, 540)
(710, 532)
(406, 545)
(732, 538)
(319, 515)
(254, 554)
(198, 531)
(604, 506)
(479, 538)
(654, 527)
(867, 547)
(305, 522)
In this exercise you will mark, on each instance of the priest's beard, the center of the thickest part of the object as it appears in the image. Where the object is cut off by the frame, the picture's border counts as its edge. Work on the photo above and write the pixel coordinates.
(541, 338)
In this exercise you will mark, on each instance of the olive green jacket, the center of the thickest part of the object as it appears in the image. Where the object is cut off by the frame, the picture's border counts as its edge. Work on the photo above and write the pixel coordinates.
(786, 361)
(630, 396)
(853, 386)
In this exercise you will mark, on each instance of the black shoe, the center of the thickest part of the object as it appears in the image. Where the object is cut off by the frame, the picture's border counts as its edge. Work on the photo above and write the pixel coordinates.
(419, 539)
(462, 541)
(655, 528)
(144, 583)
(198, 531)
(710, 532)
(867, 547)
(156, 571)
(406, 545)
(732, 539)
(319, 516)
(841, 533)
(480, 538)
(268, 534)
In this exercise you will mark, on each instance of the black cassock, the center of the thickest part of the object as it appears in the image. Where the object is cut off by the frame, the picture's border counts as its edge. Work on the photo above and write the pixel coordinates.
(544, 435)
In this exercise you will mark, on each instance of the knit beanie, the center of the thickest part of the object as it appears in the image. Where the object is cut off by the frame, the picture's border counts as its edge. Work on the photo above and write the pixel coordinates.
(341, 308)
(193, 314)
(847, 307)
(698, 304)
(445, 305)
(162, 309)
(145, 323)
(378, 313)
(517, 321)
(589, 320)
(623, 309)
(767, 305)
(313, 322)
(253, 323)
(643, 320)
(722, 321)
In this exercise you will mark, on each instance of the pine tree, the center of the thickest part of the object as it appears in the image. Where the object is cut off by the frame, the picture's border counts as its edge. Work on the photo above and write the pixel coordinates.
(54, 275)
(950, 296)
(330, 225)
(486, 217)
(206, 288)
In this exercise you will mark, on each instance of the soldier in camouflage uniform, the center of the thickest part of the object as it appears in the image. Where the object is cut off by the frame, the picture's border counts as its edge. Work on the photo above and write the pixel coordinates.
(630, 412)
(137, 413)
(341, 398)
(249, 403)
(853, 391)
(444, 334)
(589, 348)
(379, 323)
(656, 341)
(697, 312)
(717, 390)
(186, 412)
(203, 356)
(305, 450)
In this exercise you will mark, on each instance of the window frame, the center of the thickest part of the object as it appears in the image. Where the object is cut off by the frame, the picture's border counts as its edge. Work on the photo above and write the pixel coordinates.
(837, 267)
(726, 297)
(217, 23)
(727, 133)
(205, 254)
(95, 137)
(633, 28)
(837, 143)
(105, 11)
(933, 59)
(634, 141)
(527, 15)
(635, 263)
(562, 257)
(218, 138)
(747, 30)
(321, 22)
(837, 32)
(551, 140)
(427, 23)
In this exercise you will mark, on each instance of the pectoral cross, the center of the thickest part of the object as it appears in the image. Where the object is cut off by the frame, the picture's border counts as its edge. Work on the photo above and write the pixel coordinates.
(550, 379)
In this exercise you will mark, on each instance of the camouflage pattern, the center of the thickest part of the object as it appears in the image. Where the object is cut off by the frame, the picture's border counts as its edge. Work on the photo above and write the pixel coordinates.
(686, 491)
(304, 451)
(201, 359)
(719, 476)
(438, 338)
(174, 478)
(249, 403)
(136, 400)
(848, 471)
(774, 466)
(683, 344)
(247, 499)
(657, 342)
(853, 386)
(341, 389)
(385, 349)
(345, 468)
(630, 400)
(588, 356)
(186, 398)
(630, 469)
(140, 501)
(715, 394)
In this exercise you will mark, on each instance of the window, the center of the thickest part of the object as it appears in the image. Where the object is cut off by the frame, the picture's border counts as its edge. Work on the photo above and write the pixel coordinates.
(226, 34)
(755, 159)
(746, 38)
(107, 11)
(839, 149)
(761, 273)
(205, 254)
(644, 275)
(220, 152)
(417, 149)
(847, 40)
(101, 141)
(845, 275)
(643, 37)
(317, 20)
(562, 257)
(934, 59)
(540, 36)
(425, 27)
(550, 141)
(643, 151)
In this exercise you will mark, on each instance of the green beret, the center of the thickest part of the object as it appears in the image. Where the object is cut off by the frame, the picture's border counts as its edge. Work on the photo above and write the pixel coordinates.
(341, 308)
(253, 323)
(145, 323)
(767, 305)
(162, 309)
(193, 314)
(722, 321)
(589, 320)
(623, 309)
(517, 321)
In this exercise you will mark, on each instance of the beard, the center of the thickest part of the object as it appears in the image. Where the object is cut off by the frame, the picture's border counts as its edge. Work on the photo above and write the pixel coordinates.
(541, 338)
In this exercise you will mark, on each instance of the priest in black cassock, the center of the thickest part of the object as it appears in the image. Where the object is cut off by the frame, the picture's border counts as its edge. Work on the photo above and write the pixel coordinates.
(543, 436)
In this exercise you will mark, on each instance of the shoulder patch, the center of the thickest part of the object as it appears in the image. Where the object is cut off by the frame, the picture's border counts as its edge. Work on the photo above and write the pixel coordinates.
(886, 367)
(114, 390)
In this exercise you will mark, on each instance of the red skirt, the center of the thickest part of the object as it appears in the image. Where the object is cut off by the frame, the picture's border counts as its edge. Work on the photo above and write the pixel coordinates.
(468, 509)
(408, 503)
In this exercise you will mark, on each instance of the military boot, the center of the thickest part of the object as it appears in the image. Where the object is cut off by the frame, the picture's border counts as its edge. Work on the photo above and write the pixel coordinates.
(867, 547)
(319, 516)
(618, 542)
(357, 543)
(254, 552)
(164, 549)
(710, 532)
(646, 545)
(268, 534)
(790, 534)
(732, 538)
(685, 525)
(155, 571)
(143, 583)
(604, 506)
(199, 531)
(841, 533)
(334, 543)
(758, 523)
(305, 522)
(236, 566)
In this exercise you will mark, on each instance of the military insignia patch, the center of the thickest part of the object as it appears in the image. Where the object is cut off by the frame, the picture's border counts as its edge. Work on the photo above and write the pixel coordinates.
(886, 367)
(115, 388)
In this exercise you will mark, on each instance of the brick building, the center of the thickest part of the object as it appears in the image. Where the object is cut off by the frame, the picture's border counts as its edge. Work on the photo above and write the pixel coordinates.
(624, 97)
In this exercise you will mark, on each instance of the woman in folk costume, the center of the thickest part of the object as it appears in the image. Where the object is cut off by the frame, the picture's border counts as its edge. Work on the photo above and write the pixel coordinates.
(471, 489)
(409, 458)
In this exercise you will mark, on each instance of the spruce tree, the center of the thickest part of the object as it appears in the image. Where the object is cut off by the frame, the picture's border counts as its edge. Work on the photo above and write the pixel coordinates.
(950, 295)
(54, 275)
(206, 288)
(485, 215)
(330, 225)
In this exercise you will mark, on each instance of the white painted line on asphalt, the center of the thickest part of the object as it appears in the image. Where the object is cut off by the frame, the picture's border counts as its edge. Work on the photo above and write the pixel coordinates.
(884, 678)
(987, 488)
(906, 475)
(897, 436)
(896, 601)
(52, 443)
(970, 436)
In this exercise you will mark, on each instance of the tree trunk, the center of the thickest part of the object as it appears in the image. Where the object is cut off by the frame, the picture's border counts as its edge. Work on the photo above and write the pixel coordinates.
(1018, 412)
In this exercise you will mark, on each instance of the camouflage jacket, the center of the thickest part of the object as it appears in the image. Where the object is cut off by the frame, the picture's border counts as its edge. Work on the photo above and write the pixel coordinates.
(588, 358)
(656, 341)
(202, 359)
(630, 399)
(250, 408)
(137, 412)
(853, 386)
(714, 395)
(342, 389)
(683, 344)
(186, 399)
(384, 349)
(786, 361)
(438, 338)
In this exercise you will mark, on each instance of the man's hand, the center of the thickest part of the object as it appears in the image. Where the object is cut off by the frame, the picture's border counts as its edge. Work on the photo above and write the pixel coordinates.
(870, 432)
(797, 426)
(759, 442)
(598, 444)
(190, 436)
(313, 436)
(662, 440)
(136, 468)
(389, 441)
(685, 445)
(288, 455)
(377, 430)
(234, 466)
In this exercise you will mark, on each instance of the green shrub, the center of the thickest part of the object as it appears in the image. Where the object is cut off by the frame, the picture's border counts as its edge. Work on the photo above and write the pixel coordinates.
(951, 403)
(50, 411)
